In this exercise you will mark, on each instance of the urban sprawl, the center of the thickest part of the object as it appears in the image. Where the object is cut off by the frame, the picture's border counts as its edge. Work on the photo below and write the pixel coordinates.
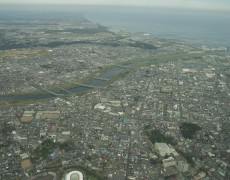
(164, 116)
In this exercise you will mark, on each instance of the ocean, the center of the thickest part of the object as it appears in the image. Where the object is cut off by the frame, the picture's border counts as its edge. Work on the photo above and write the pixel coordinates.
(202, 27)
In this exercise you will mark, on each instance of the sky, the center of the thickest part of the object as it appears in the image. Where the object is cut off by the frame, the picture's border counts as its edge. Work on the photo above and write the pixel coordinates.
(193, 4)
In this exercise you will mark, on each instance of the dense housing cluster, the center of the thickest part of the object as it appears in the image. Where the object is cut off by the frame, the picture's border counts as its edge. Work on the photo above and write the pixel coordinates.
(165, 115)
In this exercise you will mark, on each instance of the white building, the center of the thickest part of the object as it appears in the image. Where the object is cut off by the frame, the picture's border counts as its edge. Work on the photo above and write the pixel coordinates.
(182, 166)
(66, 133)
(163, 149)
(74, 175)
(169, 162)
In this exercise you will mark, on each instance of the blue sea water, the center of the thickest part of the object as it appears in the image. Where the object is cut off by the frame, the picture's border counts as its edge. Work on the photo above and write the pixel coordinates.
(211, 28)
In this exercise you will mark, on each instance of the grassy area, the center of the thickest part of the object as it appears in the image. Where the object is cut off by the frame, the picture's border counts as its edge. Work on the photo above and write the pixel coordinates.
(16, 54)
(10, 178)
(3, 103)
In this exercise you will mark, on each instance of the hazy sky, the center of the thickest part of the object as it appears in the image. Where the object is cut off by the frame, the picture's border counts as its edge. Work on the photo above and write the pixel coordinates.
(201, 4)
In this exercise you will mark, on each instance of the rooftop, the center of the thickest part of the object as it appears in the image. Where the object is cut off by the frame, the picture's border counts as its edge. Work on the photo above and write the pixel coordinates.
(74, 175)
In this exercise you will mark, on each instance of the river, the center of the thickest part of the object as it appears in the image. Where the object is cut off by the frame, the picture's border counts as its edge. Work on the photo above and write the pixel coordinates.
(109, 74)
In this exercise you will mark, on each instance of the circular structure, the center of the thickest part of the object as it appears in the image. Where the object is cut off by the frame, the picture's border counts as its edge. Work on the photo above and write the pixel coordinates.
(74, 175)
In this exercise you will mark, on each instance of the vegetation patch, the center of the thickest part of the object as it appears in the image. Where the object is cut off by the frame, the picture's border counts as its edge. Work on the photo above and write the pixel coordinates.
(188, 130)
(44, 150)
(157, 136)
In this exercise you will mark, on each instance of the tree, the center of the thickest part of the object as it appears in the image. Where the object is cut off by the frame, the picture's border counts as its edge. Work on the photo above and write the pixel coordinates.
(188, 130)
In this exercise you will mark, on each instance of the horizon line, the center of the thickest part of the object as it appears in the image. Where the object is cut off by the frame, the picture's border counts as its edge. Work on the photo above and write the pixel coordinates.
(117, 5)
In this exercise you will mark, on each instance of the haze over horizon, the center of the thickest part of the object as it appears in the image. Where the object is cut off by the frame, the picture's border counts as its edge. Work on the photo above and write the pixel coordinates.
(191, 4)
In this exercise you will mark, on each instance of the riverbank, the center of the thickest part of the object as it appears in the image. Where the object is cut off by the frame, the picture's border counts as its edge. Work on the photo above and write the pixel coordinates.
(111, 73)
